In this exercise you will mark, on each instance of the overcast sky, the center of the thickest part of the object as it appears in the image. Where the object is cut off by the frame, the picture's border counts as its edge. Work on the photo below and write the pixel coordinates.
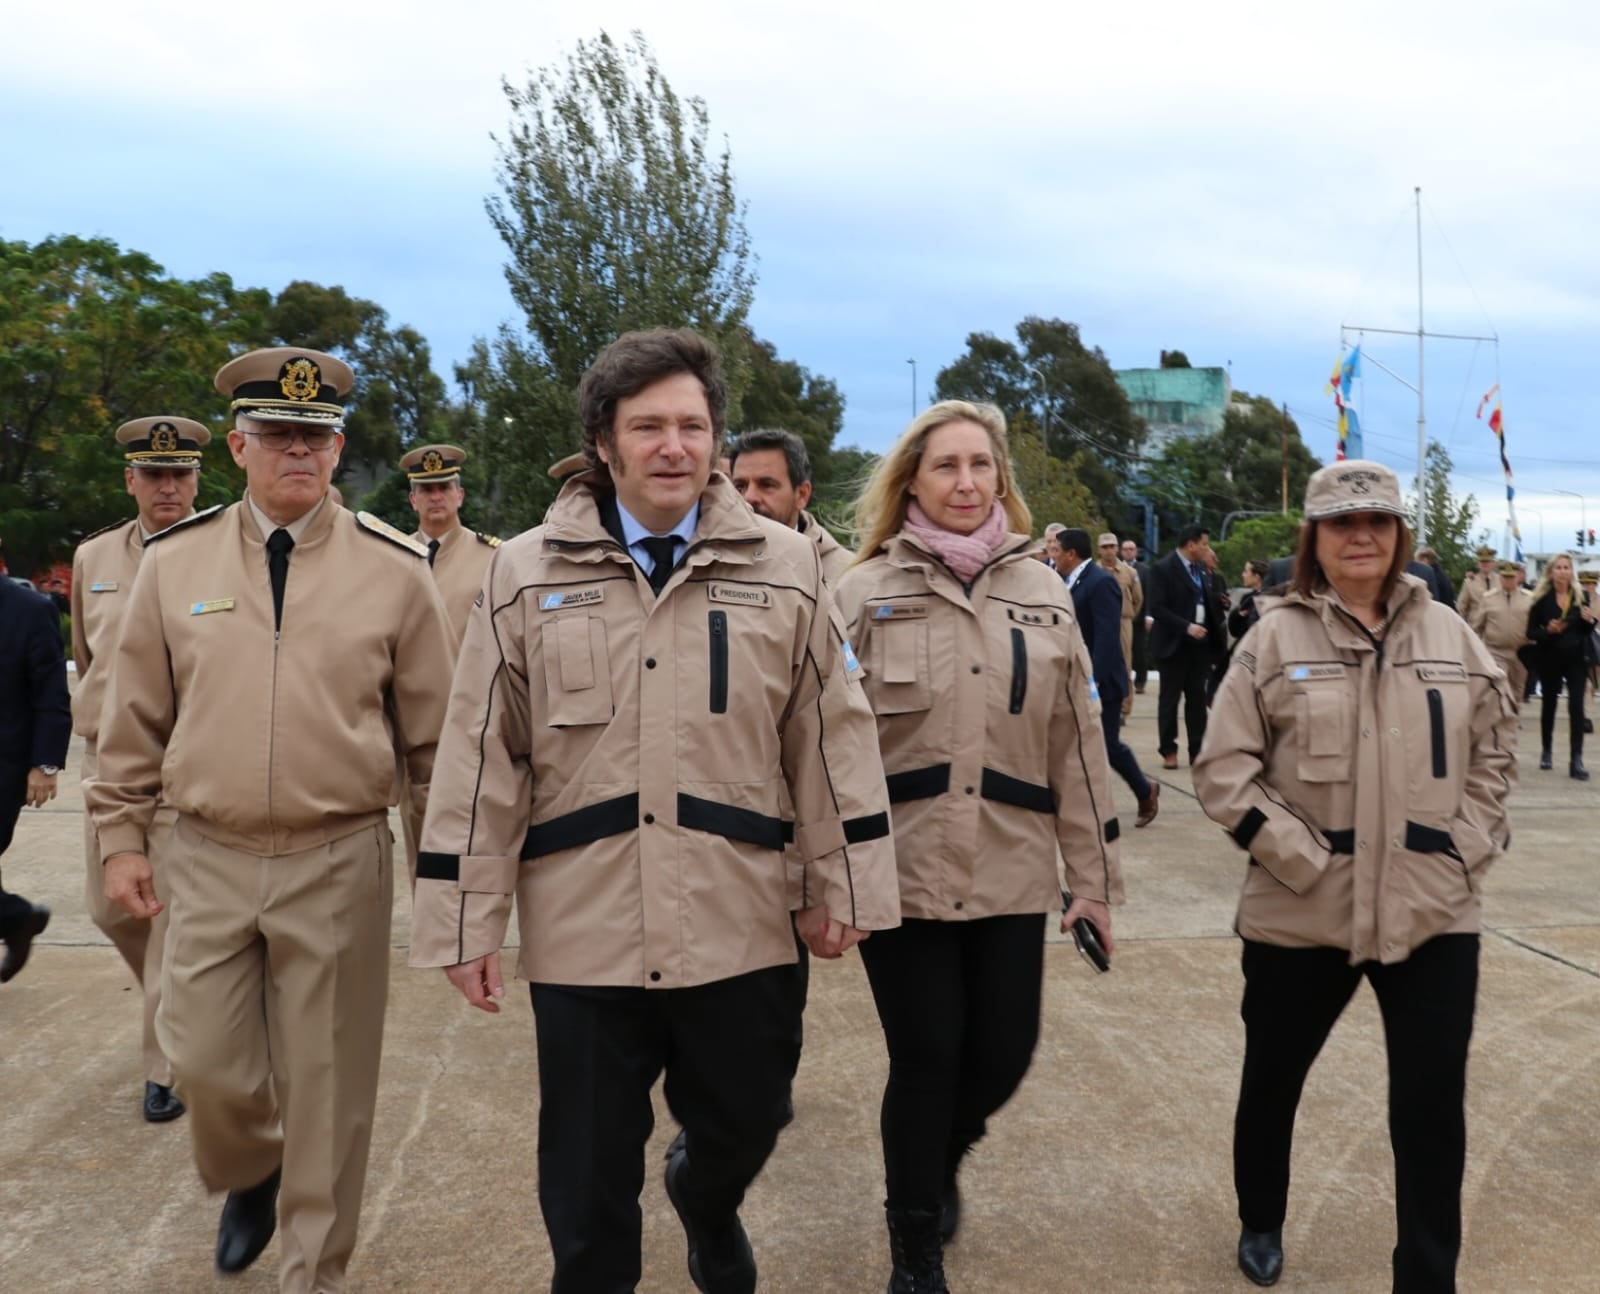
(1232, 179)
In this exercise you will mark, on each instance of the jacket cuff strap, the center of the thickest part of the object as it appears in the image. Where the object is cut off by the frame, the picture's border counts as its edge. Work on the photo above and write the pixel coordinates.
(126, 838)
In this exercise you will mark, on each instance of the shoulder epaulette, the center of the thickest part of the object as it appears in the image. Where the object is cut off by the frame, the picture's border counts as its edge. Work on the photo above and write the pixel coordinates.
(378, 526)
(199, 518)
(105, 530)
(487, 539)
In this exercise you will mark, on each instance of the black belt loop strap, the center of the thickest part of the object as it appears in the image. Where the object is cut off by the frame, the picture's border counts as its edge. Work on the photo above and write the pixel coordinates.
(582, 826)
(1426, 840)
(857, 831)
(732, 823)
(1003, 789)
(439, 867)
(919, 783)
(1342, 842)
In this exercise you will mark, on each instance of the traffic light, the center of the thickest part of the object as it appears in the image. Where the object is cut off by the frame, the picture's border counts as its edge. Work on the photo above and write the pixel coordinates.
(1580, 539)
(1591, 537)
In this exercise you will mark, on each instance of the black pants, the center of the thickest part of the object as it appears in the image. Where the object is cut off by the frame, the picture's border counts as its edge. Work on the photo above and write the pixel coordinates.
(1122, 759)
(959, 1005)
(1141, 652)
(1184, 675)
(726, 1049)
(1292, 997)
(1553, 672)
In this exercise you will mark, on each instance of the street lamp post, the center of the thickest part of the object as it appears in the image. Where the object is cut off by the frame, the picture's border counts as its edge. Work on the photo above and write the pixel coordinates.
(1044, 400)
(913, 364)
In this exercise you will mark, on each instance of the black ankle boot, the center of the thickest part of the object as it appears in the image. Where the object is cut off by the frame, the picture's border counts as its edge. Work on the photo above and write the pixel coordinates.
(1578, 771)
(950, 1195)
(917, 1252)
(1544, 761)
(1261, 1255)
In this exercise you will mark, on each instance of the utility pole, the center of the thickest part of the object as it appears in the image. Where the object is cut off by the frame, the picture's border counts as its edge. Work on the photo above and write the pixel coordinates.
(913, 364)
(1283, 453)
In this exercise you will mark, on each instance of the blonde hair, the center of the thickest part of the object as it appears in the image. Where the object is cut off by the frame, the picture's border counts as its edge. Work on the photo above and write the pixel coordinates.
(883, 502)
(1544, 585)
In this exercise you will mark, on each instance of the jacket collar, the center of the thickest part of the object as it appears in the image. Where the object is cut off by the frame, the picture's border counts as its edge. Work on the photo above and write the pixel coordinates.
(907, 552)
(577, 523)
(1342, 627)
(311, 530)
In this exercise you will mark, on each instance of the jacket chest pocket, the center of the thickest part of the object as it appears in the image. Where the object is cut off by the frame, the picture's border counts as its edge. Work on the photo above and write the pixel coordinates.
(1323, 718)
(577, 671)
(1444, 716)
(899, 677)
(1030, 645)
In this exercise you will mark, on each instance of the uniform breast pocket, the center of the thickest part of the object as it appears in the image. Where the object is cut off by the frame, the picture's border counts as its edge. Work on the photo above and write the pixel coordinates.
(1323, 717)
(898, 677)
(577, 671)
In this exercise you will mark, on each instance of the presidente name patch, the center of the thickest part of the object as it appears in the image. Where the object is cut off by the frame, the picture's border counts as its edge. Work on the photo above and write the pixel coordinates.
(739, 595)
(103, 586)
(215, 604)
(901, 611)
(1442, 673)
(1301, 673)
(572, 598)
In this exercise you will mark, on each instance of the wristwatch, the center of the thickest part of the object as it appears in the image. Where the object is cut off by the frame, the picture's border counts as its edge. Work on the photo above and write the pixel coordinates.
(49, 770)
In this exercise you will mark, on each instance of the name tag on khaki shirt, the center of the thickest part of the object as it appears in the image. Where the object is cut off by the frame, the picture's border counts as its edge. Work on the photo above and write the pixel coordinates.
(215, 604)
(738, 595)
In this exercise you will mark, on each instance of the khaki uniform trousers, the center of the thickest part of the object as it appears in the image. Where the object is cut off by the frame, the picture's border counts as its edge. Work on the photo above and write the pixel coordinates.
(1516, 673)
(1127, 656)
(140, 941)
(272, 1004)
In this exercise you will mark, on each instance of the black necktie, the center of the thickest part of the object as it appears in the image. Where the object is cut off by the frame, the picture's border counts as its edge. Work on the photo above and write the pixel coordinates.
(433, 550)
(279, 542)
(663, 550)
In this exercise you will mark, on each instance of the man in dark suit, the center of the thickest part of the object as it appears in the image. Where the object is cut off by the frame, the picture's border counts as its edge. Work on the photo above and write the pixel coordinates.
(35, 726)
(1425, 566)
(1185, 638)
(1097, 603)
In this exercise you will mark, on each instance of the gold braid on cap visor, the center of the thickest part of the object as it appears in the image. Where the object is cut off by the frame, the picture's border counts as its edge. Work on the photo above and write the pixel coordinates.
(290, 411)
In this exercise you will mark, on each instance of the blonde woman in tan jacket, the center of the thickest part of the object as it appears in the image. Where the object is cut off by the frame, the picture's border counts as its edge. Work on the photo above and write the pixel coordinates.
(1361, 748)
(991, 739)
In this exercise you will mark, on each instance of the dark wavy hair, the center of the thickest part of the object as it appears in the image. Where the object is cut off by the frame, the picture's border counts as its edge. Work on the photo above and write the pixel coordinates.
(636, 360)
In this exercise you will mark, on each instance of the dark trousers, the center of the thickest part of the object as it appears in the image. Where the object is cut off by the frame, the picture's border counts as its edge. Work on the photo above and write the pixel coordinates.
(726, 1049)
(1292, 997)
(1184, 675)
(1141, 653)
(1122, 759)
(959, 1005)
(1553, 672)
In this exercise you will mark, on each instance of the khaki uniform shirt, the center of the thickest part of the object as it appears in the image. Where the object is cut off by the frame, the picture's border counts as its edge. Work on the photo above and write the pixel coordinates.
(990, 732)
(619, 760)
(1475, 589)
(1368, 782)
(102, 581)
(458, 569)
(273, 741)
(1501, 619)
(835, 557)
(1132, 590)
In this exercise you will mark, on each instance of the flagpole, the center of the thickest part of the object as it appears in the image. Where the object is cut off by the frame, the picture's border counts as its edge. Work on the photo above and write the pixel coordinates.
(1422, 417)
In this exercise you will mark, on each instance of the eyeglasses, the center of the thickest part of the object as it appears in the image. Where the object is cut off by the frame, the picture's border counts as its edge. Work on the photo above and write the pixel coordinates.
(278, 438)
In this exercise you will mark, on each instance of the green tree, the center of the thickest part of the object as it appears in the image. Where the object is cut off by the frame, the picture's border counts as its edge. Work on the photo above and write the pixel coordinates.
(1053, 489)
(1264, 537)
(1049, 376)
(616, 213)
(90, 337)
(1175, 359)
(785, 395)
(1449, 531)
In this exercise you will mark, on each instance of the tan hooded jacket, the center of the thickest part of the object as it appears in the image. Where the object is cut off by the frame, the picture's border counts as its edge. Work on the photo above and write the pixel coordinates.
(274, 742)
(990, 732)
(1368, 781)
(618, 761)
(835, 557)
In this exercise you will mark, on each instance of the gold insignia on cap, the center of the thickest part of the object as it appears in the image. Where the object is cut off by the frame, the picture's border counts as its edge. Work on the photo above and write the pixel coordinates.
(164, 439)
(433, 461)
(300, 379)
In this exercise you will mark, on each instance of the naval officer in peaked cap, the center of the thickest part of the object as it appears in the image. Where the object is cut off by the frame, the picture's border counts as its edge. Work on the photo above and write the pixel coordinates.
(274, 654)
(162, 474)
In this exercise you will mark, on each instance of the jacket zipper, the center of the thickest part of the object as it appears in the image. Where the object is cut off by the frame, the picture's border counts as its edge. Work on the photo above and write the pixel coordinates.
(719, 661)
(1019, 670)
(1436, 730)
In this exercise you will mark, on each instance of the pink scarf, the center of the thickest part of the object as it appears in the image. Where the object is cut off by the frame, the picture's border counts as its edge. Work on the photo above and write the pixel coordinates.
(966, 555)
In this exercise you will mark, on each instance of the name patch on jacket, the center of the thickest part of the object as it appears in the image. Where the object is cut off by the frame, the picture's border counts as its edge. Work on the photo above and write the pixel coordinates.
(576, 598)
(1033, 617)
(901, 611)
(1301, 673)
(1436, 673)
(739, 595)
(103, 586)
(215, 604)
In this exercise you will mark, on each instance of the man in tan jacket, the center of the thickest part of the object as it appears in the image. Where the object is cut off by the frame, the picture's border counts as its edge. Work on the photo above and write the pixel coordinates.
(1476, 586)
(772, 472)
(651, 672)
(271, 656)
(163, 476)
(1500, 618)
(1132, 604)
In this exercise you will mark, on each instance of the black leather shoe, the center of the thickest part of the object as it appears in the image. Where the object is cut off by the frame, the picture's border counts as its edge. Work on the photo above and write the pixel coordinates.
(1578, 771)
(1261, 1255)
(950, 1211)
(720, 1258)
(161, 1105)
(249, 1218)
(23, 929)
(1544, 761)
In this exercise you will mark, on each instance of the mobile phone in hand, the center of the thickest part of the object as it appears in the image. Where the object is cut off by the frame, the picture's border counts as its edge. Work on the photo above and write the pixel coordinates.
(1086, 938)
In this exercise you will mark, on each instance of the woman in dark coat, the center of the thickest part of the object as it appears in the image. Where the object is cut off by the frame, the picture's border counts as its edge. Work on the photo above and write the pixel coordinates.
(1560, 628)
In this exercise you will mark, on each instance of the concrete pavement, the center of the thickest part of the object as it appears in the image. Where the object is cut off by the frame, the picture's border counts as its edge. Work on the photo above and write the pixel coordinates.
(1110, 1171)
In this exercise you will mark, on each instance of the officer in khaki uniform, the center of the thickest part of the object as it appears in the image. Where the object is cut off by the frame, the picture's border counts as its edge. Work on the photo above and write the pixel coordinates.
(162, 454)
(458, 558)
(1132, 604)
(1500, 618)
(651, 671)
(272, 654)
(1476, 586)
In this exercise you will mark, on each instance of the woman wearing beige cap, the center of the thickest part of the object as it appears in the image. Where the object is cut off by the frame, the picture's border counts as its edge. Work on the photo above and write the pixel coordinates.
(1361, 751)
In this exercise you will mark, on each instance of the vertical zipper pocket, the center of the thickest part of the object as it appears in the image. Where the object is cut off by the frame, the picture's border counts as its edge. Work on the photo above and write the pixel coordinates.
(1436, 730)
(719, 661)
(1019, 670)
